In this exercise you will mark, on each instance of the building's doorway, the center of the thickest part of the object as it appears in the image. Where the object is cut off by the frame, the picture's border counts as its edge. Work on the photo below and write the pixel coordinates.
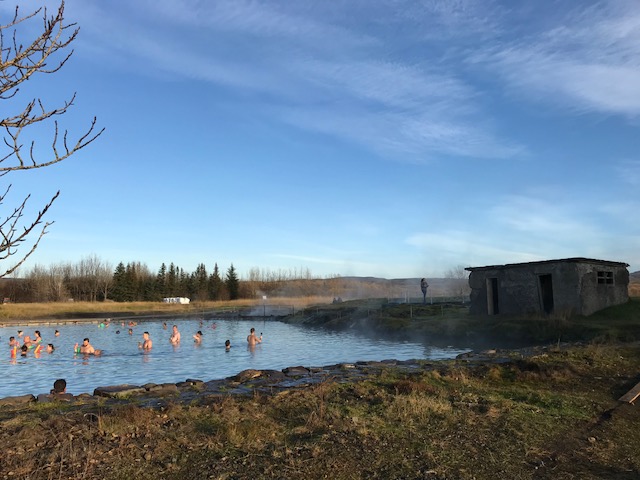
(492, 296)
(546, 293)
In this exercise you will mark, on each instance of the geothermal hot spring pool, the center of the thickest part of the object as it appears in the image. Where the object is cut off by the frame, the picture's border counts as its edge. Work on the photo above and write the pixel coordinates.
(122, 362)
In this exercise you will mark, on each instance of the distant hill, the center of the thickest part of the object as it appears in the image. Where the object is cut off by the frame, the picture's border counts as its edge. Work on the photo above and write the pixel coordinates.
(634, 277)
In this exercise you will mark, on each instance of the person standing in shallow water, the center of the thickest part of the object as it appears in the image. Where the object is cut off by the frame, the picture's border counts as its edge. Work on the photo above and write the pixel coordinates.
(146, 343)
(175, 336)
(86, 348)
(253, 339)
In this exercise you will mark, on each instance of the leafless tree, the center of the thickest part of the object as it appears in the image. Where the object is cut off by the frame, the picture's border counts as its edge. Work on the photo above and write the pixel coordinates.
(19, 61)
(459, 281)
(105, 279)
(47, 284)
(89, 279)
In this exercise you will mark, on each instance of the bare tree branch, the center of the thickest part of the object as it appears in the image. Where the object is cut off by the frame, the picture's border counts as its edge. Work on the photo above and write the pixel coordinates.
(45, 54)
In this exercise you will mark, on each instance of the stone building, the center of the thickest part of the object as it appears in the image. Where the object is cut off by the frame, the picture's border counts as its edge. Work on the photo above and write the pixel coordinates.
(572, 285)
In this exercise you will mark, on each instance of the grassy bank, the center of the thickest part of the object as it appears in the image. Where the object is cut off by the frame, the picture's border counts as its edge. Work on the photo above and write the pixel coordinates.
(451, 323)
(554, 415)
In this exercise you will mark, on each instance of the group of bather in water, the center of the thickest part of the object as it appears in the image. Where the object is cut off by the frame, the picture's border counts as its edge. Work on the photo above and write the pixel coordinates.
(37, 345)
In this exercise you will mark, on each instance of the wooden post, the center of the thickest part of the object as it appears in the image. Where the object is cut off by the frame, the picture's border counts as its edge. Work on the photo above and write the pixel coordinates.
(631, 395)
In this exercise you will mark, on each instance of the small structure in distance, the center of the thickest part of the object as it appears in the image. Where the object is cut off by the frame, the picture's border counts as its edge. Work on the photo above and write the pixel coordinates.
(573, 285)
(180, 300)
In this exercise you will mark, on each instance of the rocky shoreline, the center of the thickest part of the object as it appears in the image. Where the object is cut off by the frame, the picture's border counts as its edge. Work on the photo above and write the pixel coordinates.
(265, 382)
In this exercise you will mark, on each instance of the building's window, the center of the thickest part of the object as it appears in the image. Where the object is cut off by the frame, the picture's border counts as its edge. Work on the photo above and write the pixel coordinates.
(605, 278)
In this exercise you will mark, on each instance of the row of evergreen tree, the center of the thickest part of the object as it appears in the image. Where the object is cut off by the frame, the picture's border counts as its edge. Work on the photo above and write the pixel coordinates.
(134, 282)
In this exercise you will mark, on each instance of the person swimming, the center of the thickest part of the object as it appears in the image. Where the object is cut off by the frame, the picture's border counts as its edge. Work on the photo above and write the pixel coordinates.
(227, 345)
(197, 338)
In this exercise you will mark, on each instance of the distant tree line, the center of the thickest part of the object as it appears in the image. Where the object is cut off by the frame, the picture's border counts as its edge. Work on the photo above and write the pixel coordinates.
(92, 279)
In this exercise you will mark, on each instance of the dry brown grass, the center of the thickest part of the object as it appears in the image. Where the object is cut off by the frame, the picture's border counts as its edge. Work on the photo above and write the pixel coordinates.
(31, 311)
(514, 420)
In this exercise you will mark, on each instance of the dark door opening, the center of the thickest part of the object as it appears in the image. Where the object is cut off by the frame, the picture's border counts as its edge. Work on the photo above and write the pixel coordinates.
(546, 293)
(492, 296)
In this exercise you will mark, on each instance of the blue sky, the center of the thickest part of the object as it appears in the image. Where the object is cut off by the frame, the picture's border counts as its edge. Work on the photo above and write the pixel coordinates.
(387, 138)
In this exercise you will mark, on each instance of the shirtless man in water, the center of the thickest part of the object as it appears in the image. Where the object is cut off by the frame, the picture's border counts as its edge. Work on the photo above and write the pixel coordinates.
(175, 336)
(252, 339)
(147, 343)
(88, 349)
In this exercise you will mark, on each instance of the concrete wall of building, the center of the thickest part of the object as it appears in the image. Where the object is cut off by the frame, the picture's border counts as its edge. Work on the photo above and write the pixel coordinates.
(574, 284)
(595, 295)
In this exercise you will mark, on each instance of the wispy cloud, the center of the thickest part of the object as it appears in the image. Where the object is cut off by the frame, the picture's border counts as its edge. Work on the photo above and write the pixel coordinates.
(589, 60)
(327, 70)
